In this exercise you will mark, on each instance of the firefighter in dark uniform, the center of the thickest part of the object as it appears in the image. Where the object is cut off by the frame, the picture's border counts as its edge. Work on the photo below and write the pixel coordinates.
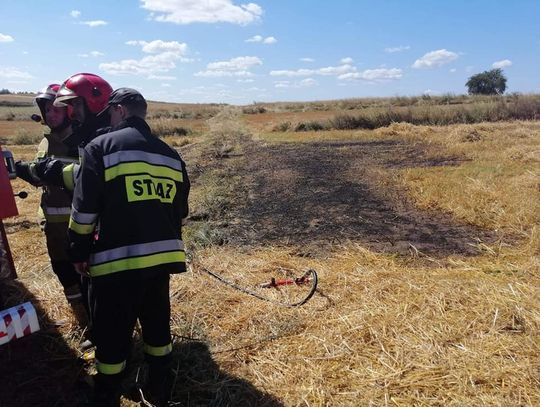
(125, 232)
(84, 95)
(55, 204)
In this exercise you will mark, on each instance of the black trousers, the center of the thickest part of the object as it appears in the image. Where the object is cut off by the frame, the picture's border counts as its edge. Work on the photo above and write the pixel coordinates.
(118, 301)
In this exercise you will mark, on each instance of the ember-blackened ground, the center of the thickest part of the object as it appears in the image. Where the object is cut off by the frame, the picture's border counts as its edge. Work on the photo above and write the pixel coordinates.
(316, 195)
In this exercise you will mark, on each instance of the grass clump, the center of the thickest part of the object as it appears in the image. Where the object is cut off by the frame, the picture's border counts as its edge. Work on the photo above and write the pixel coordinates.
(25, 137)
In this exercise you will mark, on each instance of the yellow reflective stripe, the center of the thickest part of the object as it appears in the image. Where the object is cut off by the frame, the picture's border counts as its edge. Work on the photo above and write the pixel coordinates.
(81, 228)
(67, 176)
(110, 368)
(158, 350)
(144, 168)
(137, 263)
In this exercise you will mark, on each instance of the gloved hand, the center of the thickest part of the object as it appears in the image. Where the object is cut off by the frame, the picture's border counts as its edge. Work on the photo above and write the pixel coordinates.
(49, 171)
(24, 172)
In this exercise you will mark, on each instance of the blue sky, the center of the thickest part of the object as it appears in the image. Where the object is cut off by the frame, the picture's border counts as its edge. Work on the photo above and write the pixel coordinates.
(239, 52)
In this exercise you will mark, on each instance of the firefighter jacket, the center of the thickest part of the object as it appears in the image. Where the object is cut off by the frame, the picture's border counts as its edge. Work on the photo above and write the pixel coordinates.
(129, 200)
(55, 204)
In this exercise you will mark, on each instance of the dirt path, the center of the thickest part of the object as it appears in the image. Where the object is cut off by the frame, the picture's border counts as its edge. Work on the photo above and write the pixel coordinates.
(319, 194)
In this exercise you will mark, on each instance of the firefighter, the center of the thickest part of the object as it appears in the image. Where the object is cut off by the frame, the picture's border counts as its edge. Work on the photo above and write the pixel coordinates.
(55, 205)
(135, 187)
(86, 95)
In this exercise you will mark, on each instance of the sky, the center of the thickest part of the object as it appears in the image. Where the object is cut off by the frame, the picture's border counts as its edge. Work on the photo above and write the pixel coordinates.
(229, 51)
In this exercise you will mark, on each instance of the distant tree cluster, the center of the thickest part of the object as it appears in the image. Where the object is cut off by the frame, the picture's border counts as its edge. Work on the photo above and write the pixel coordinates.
(487, 83)
(5, 92)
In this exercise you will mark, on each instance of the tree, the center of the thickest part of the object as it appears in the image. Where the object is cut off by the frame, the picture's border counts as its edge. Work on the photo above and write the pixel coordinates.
(487, 83)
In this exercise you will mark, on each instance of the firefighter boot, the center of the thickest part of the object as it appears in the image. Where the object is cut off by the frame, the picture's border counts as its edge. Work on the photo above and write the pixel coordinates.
(107, 390)
(160, 379)
(74, 297)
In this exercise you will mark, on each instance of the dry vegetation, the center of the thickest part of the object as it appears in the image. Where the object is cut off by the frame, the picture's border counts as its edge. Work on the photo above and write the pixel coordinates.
(384, 329)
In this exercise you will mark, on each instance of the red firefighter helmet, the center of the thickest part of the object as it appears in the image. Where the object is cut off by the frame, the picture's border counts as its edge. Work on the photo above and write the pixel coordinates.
(92, 88)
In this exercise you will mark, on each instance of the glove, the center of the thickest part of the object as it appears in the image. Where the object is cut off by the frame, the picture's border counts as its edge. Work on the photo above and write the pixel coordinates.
(50, 171)
(24, 172)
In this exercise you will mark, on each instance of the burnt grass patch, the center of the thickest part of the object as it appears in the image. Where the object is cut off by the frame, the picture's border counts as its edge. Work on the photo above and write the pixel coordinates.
(317, 195)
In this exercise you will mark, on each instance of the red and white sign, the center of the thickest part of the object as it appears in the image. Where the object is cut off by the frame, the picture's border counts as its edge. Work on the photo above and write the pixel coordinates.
(18, 321)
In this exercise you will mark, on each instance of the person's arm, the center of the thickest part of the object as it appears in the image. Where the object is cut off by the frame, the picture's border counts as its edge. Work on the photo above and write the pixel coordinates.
(86, 206)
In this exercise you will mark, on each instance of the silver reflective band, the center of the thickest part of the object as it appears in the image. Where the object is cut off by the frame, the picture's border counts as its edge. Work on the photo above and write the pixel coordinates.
(76, 169)
(134, 155)
(65, 160)
(136, 250)
(82, 217)
(50, 210)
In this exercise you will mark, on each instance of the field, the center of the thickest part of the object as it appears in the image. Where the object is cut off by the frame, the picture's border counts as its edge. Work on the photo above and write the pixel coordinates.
(425, 238)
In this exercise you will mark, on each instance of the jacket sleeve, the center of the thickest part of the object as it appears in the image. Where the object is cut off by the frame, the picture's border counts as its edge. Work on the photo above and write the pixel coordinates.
(87, 202)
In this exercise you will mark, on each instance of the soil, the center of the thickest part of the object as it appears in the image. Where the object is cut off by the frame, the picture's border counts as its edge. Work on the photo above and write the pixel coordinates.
(317, 195)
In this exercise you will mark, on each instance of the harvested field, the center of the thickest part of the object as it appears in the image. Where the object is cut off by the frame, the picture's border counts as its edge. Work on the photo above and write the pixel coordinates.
(427, 246)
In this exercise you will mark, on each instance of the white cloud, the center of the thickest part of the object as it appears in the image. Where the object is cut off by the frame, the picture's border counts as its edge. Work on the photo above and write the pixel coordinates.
(162, 77)
(94, 54)
(374, 75)
(290, 73)
(347, 60)
(163, 58)
(401, 48)
(327, 71)
(238, 67)
(94, 23)
(157, 46)
(245, 80)
(308, 82)
(502, 64)
(435, 59)
(453, 70)
(75, 13)
(6, 38)
(255, 38)
(221, 74)
(208, 11)
(166, 85)
(13, 73)
(259, 38)
(304, 83)
(307, 60)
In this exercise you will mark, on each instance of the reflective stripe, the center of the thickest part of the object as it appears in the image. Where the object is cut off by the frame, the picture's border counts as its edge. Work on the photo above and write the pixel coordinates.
(137, 263)
(83, 217)
(134, 250)
(56, 214)
(158, 350)
(52, 210)
(81, 229)
(67, 176)
(113, 159)
(144, 168)
(73, 296)
(110, 368)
